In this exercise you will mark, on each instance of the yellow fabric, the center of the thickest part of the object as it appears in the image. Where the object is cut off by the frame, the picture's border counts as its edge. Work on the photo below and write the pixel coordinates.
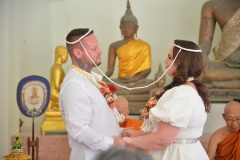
(134, 57)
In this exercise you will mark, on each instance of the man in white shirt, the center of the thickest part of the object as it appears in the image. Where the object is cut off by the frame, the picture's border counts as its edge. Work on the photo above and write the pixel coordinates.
(91, 124)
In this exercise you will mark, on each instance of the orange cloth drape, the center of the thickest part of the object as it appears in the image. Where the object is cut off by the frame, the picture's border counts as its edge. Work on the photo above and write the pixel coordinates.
(134, 57)
(229, 148)
(136, 124)
(132, 123)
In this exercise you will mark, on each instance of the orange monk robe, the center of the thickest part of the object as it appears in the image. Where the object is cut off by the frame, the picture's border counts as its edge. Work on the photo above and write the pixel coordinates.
(134, 57)
(136, 125)
(229, 147)
(132, 123)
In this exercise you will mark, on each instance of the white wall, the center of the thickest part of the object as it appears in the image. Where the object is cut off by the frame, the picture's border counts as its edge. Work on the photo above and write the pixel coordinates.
(25, 50)
(36, 51)
(4, 65)
(215, 119)
(31, 29)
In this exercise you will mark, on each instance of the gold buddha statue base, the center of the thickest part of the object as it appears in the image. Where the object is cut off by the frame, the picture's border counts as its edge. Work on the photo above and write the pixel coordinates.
(17, 155)
(53, 123)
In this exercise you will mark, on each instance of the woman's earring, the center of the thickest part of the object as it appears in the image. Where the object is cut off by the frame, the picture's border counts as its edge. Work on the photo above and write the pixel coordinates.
(135, 35)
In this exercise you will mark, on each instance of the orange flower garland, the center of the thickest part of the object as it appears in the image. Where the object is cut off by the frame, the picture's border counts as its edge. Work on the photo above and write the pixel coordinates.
(146, 127)
(150, 104)
(108, 91)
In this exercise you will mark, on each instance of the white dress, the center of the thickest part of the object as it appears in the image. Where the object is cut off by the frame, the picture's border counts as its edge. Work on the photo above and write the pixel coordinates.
(181, 107)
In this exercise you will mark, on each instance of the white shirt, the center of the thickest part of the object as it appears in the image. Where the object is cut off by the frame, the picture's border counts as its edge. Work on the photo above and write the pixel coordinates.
(90, 122)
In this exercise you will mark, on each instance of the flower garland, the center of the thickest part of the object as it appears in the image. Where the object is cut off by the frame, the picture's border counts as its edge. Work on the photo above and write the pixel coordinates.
(108, 92)
(146, 126)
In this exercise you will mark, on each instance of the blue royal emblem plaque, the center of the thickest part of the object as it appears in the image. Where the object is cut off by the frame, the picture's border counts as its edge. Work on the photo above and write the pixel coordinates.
(33, 94)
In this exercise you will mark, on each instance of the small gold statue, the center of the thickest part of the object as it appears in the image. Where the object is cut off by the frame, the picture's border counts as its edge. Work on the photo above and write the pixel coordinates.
(17, 144)
(53, 119)
(56, 77)
(16, 151)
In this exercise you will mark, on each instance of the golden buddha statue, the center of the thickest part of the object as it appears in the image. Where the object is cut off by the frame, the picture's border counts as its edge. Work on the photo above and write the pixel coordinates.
(53, 119)
(56, 77)
(224, 72)
(135, 63)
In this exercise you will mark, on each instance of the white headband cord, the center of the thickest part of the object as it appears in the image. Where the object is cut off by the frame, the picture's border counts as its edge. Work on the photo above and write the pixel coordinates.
(133, 88)
(186, 49)
(78, 40)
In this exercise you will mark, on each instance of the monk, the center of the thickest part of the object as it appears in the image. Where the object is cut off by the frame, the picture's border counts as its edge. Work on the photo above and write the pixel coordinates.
(134, 55)
(224, 72)
(129, 123)
(224, 144)
(122, 107)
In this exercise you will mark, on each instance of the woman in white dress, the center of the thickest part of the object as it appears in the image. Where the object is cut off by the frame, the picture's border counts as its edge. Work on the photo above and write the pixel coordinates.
(175, 118)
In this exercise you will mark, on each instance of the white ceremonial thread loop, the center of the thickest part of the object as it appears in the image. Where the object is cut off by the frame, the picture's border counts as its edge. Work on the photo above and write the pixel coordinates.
(79, 39)
(125, 86)
(141, 87)
(186, 49)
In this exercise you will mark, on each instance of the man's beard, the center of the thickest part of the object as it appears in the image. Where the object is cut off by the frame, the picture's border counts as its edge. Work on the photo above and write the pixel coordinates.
(85, 67)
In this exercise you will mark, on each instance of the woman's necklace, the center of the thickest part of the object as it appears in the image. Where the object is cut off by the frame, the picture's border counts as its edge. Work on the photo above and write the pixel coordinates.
(104, 88)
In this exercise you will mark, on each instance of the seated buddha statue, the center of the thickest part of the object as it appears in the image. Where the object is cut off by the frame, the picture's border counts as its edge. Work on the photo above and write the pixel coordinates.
(224, 72)
(17, 151)
(17, 143)
(134, 57)
(56, 77)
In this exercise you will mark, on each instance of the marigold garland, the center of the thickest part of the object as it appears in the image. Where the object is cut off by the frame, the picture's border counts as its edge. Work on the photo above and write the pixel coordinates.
(108, 91)
(146, 127)
(150, 104)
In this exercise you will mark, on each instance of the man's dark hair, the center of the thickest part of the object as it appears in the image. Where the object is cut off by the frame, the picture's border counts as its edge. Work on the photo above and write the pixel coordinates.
(75, 34)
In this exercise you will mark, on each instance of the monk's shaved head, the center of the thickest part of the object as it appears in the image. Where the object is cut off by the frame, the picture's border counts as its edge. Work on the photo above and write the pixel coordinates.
(122, 105)
(232, 106)
(232, 115)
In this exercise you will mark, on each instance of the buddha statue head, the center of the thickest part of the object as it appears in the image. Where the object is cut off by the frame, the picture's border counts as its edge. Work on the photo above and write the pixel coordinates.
(129, 17)
(129, 23)
(61, 54)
